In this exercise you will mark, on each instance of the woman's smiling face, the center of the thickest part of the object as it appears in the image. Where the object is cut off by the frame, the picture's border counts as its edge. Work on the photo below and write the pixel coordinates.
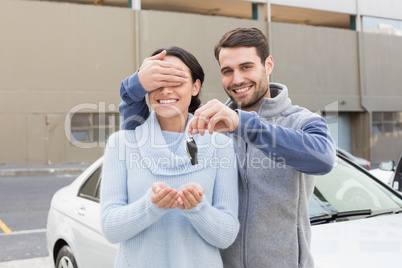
(170, 102)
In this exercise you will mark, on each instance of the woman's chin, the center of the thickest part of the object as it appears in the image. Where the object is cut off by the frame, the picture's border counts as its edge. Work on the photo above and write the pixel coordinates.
(170, 113)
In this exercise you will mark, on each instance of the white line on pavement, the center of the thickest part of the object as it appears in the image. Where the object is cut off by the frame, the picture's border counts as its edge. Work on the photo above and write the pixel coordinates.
(25, 232)
(31, 263)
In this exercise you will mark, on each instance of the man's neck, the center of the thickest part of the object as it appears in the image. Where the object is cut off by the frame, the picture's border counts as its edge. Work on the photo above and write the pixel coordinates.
(254, 108)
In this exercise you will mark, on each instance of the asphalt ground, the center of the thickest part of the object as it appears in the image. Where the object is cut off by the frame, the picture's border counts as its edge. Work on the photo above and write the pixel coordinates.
(31, 263)
(16, 170)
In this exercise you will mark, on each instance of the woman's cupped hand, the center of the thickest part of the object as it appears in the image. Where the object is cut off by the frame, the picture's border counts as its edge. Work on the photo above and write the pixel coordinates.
(188, 197)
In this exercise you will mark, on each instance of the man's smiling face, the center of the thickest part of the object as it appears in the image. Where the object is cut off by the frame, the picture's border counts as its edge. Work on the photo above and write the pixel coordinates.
(244, 77)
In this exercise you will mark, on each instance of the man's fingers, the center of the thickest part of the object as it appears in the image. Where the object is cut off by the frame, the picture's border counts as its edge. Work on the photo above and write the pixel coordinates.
(171, 69)
(203, 118)
(169, 77)
(159, 56)
(160, 81)
(222, 123)
(199, 121)
(202, 124)
(190, 126)
(213, 116)
(155, 70)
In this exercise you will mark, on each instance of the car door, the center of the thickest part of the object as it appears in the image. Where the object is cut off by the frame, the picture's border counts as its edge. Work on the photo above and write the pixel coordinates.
(93, 249)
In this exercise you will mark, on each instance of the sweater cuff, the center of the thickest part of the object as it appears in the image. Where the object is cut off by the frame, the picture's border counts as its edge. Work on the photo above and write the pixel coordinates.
(152, 208)
(244, 123)
(188, 212)
(134, 87)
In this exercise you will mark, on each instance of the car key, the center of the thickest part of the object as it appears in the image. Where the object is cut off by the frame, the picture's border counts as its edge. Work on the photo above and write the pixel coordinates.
(191, 148)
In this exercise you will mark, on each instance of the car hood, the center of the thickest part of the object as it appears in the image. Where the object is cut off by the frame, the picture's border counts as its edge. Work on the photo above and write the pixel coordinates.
(374, 242)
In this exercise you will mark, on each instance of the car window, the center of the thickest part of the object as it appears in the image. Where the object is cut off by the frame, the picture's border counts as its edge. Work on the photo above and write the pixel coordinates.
(347, 188)
(90, 189)
(97, 194)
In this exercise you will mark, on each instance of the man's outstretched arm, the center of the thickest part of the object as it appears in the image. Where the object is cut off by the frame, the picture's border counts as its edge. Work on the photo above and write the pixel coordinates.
(133, 108)
(310, 150)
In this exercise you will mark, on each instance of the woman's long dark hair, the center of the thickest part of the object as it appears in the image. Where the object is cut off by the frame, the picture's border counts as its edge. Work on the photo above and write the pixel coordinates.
(195, 68)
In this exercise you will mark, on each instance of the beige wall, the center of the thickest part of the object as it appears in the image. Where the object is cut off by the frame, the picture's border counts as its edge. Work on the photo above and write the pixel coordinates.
(13, 135)
(382, 88)
(319, 65)
(56, 56)
(382, 57)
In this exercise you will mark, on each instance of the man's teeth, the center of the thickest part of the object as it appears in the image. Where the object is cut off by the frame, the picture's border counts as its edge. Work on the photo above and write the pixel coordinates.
(242, 89)
(167, 101)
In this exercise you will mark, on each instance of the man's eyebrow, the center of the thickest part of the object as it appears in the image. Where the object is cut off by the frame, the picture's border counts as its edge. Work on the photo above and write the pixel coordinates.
(241, 64)
(225, 68)
(247, 63)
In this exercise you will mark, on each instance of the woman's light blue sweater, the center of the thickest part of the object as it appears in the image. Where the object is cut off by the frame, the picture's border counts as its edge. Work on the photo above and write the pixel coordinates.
(154, 237)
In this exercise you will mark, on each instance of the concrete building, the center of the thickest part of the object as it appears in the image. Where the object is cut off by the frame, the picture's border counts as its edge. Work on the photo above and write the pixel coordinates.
(61, 64)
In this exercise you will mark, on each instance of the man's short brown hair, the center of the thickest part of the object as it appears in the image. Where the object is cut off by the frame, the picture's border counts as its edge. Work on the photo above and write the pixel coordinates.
(244, 37)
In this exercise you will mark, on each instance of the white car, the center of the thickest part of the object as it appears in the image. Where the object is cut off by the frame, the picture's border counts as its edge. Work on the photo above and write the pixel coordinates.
(354, 217)
(357, 160)
(390, 173)
(74, 235)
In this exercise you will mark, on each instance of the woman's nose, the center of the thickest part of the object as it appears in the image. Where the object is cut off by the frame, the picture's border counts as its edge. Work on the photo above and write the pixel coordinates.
(165, 90)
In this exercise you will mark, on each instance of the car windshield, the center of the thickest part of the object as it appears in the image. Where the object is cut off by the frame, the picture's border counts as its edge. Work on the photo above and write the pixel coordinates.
(345, 190)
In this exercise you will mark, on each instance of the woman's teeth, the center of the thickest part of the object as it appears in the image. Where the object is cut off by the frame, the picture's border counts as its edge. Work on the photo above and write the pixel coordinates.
(167, 101)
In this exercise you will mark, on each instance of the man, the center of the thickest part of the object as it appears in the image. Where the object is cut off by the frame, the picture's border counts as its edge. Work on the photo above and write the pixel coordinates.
(279, 147)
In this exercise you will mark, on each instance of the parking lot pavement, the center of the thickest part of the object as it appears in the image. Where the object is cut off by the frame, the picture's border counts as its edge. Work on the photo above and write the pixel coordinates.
(10, 170)
(15, 170)
(31, 263)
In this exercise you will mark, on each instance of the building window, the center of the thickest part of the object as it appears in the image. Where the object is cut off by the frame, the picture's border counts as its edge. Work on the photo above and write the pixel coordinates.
(382, 26)
(387, 122)
(93, 127)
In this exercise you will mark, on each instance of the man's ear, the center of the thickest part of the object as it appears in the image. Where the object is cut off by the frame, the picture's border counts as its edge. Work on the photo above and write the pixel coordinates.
(269, 65)
(196, 87)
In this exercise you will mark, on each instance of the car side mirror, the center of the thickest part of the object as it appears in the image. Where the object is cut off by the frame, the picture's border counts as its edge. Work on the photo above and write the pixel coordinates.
(395, 185)
(387, 165)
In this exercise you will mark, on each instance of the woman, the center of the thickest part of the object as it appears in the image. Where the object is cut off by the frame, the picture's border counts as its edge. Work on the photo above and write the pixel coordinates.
(164, 211)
